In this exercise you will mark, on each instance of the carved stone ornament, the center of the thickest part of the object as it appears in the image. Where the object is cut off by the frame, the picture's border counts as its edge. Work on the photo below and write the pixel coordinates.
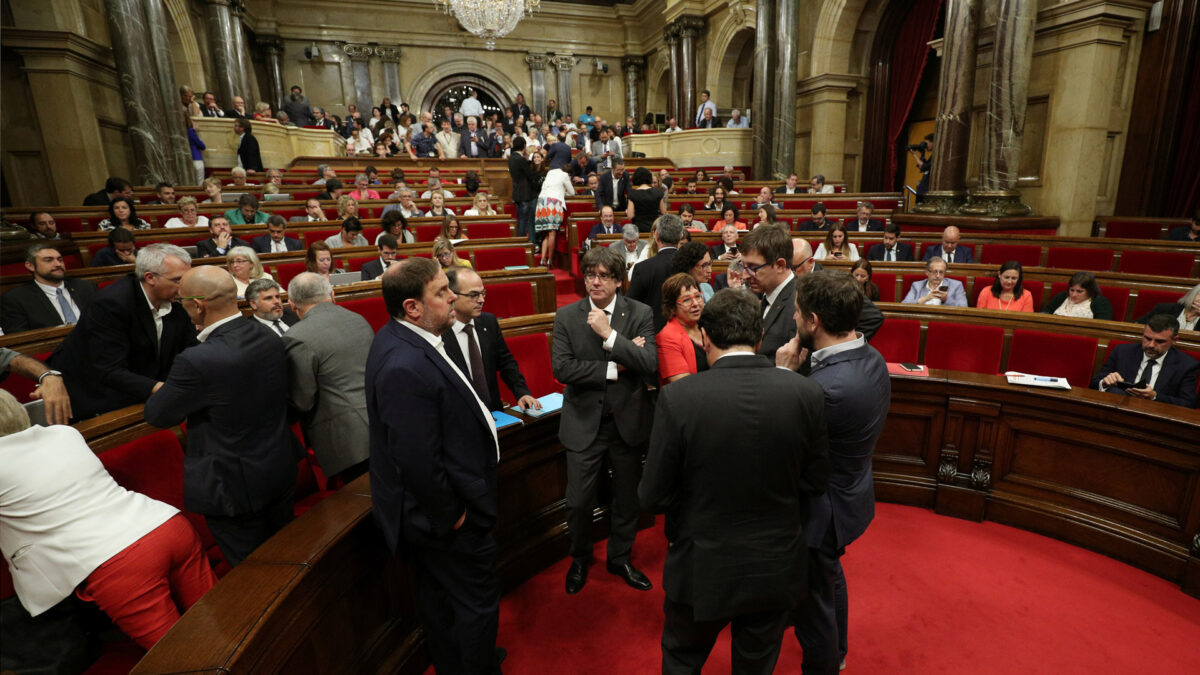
(564, 62)
(690, 26)
(941, 203)
(996, 203)
(671, 33)
(388, 53)
(633, 63)
(358, 51)
(981, 475)
(537, 61)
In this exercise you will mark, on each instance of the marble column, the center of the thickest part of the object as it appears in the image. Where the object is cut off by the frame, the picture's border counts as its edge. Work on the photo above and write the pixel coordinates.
(272, 47)
(1012, 57)
(390, 57)
(361, 67)
(633, 66)
(179, 154)
(140, 94)
(219, 21)
(763, 105)
(563, 64)
(784, 127)
(689, 30)
(956, 93)
(237, 9)
(537, 75)
(671, 38)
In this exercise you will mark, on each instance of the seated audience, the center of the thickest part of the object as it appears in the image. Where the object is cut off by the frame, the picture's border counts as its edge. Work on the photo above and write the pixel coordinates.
(221, 241)
(864, 222)
(446, 256)
(862, 273)
(453, 230)
(937, 289)
(164, 193)
(333, 191)
(189, 215)
(50, 298)
(1081, 300)
(238, 174)
(736, 121)
(347, 207)
(244, 266)
(266, 306)
(694, 258)
(818, 222)
(726, 248)
(716, 199)
(949, 250)
(361, 188)
(122, 213)
(407, 207)
(437, 207)
(1186, 311)
(395, 224)
(69, 528)
(892, 249)
(766, 196)
(816, 185)
(1006, 292)
(246, 212)
(1189, 232)
(837, 245)
(1152, 370)
(121, 249)
(212, 188)
(276, 239)
(791, 186)
(679, 344)
(387, 244)
(43, 226)
(113, 187)
(729, 216)
(351, 235)
(480, 206)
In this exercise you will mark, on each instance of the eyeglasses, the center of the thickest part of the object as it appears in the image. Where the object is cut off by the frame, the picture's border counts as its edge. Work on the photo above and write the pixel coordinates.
(751, 269)
(802, 263)
(474, 295)
(594, 276)
(691, 300)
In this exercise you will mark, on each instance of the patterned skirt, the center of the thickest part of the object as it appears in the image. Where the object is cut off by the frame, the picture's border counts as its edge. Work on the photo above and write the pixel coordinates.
(549, 214)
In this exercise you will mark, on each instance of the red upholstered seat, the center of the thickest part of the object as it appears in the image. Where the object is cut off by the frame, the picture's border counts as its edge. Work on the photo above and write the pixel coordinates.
(21, 387)
(370, 233)
(1118, 297)
(1127, 229)
(1148, 298)
(425, 233)
(505, 300)
(161, 219)
(886, 281)
(998, 254)
(285, 272)
(69, 224)
(1054, 355)
(1158, 263)
(499, 258)
(313, 236)
(374, 310)
(355, 264)
(13, 268)
(532, 353)
(899, 340)
(974, 349)
(1091, 259)
(489, 230)
(95, 248)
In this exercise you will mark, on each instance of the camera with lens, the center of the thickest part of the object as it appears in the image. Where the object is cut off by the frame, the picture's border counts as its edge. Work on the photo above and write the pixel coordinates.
(918, 147)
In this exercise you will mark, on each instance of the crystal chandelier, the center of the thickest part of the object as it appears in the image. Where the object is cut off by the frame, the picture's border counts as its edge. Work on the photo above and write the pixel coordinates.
(488, 19)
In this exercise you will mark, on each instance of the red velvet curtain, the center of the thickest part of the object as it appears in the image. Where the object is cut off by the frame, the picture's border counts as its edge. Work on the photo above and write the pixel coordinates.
(908, 63)
(1183, 195)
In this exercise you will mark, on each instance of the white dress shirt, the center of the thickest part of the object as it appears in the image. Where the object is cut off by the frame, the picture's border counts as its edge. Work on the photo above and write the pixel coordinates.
(464, 347)
(203, 335)
(612, 337)
(52, 293)
(271, 324)
(157, 312)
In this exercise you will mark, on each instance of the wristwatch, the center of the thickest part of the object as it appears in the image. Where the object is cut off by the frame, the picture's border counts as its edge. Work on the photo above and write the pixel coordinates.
(47, 374)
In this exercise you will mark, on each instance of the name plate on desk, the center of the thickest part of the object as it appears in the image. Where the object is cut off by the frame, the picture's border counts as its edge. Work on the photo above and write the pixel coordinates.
(1026, 380)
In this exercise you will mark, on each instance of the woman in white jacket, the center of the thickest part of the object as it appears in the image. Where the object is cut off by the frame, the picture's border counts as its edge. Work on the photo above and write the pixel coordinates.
(551, 208)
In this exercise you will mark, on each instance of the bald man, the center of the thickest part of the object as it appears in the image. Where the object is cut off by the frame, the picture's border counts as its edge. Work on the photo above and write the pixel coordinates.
(870, 319)
(950, 250)
(231, 389)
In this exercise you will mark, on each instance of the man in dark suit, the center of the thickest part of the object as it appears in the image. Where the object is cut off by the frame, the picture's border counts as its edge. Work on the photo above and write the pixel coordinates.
(581, 168)
(210, 108)
(604, 353)
(646, 286)
(949, 250)
(727, 245)
(767, 260)
(476, 344)
(473, 141)
(221, 241)
(433, 468)
(892, 249)
(818, 222)
(720, 567)
(1152, 370)
(113, 187)
(864, 222)
(232, 391)
(607, 225)
(791, 186)
(613, 188)
(523, 194)
(267, 307)
(857, 392)
(247, 151)
(1189, 232)
(276, 239)
(870, 319)
(312, 212)
(50, 298)
(387, 254)
(298, 110)
(123, 346)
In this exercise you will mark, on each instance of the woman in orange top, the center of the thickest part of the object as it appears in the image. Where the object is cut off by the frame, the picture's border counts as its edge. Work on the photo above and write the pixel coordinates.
(729, 216)
(1006, 292)
(679, 344)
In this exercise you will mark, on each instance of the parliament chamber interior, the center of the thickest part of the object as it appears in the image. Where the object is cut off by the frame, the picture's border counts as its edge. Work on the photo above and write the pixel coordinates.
(934, 151)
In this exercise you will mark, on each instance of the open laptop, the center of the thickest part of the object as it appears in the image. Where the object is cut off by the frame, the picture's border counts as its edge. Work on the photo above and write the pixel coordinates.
(343, 278)
(278, 197)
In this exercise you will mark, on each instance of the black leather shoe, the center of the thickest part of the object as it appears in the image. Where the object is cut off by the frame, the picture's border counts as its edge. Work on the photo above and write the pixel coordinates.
(576, 577)
(631, 575)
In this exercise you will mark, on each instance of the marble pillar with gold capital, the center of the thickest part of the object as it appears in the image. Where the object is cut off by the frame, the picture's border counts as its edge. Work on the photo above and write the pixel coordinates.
(272, 47)
(219, 19)
(671, 38)
(689, 30)
(563, 64)
(784, 118)
(138, 87)
(633, 66)
(763, 105)
(174, 120)
(1012, 58)
(537, 75)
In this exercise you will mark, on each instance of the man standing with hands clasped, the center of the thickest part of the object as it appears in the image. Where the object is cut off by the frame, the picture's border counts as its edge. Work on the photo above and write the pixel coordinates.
(858, 393)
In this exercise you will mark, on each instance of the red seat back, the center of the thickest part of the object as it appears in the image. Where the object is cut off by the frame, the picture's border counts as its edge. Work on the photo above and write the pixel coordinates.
(313, 236)
(1148, 298)
(507, 300)
(1091, 259)
(899, 340)
(886, 281)
(285, 272)
(489, 230)
(69, 224)
(1124, 229)
(998, 254)
(1053, 354)
(974, 349)
(532, 353)
(499, 258)
(22, 387)
(1159, 263)
(355, 264)
(374, 310)
(425, 233)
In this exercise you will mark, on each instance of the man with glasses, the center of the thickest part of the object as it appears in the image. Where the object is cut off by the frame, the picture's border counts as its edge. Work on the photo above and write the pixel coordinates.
(232, 391)
(478, 347)
(605, 353)
(767, 260)
(123, 346)
(937, 289)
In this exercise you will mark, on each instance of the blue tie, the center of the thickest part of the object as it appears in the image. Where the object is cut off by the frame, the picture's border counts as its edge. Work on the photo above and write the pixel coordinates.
(69, 317)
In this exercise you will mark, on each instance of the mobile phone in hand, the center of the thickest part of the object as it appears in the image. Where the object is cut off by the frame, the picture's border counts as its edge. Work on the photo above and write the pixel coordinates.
(943, 288)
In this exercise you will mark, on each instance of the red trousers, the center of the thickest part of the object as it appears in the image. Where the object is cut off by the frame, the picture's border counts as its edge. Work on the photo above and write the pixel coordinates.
(145, 587)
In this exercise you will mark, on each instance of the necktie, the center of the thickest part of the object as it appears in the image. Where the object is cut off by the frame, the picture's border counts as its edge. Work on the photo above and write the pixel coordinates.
(1147, 373)
(476, 359)
(891, 256)
(68, 313)
(766, 304)
(950, 257)
(278, 328)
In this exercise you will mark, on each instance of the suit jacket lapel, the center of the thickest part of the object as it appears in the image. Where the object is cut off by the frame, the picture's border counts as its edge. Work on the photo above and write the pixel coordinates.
(441, 364)
(620, 318)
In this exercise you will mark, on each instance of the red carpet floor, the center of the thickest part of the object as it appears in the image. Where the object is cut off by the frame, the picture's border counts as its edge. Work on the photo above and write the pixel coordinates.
(928, 594)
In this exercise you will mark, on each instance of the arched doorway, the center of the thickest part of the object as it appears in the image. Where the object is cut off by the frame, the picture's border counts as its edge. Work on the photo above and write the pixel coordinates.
(452, 91)
(735, 71)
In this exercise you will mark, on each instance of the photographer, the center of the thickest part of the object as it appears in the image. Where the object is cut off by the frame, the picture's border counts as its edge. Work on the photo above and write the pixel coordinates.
(924, 164)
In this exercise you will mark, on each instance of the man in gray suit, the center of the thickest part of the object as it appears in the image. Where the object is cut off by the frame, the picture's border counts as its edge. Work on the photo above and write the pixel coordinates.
(631, 247)
(604, 353)
(606, 151)
(767, 260)
(327, 359)
(858, 393)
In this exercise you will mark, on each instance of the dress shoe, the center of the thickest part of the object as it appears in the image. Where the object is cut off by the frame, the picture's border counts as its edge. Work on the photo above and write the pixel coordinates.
(631, 575)
(576, 577)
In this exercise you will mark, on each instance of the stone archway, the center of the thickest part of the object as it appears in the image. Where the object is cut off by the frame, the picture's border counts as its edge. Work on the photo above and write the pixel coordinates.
(493, 98)
(732, 42)
(430, 85)
(189, 69)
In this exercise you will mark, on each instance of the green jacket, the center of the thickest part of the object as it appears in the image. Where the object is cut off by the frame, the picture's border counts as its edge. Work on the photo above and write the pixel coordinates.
(235, 216)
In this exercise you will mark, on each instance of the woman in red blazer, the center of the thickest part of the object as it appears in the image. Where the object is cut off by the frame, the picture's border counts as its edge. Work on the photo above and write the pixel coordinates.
(679, 345)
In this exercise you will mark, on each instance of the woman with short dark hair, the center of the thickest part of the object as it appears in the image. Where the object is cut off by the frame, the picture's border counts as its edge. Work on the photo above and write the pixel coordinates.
(680, 348)
(1081, 300)
(645, 201)
(695, 259)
